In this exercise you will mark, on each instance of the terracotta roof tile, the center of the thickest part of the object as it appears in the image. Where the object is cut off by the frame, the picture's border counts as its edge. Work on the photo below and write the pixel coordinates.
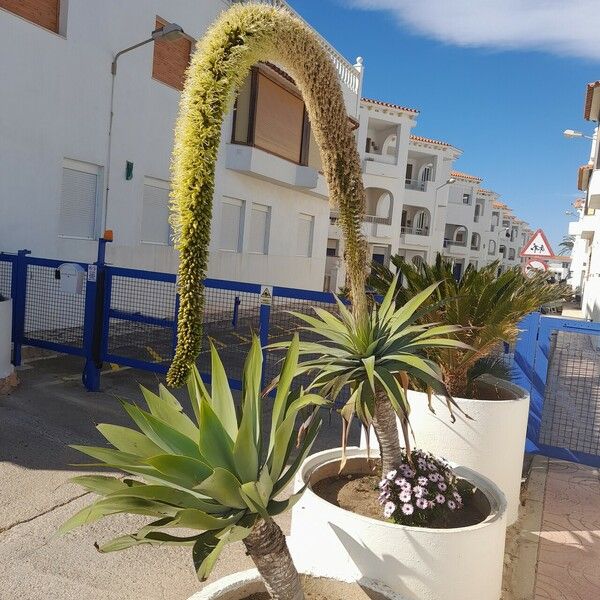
(390, 105)
(418, 138)
(466, 176)
(589, 97)
(583, 177)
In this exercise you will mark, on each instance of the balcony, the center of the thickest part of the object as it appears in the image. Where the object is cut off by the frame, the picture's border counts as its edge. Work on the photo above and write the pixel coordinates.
(594, 190)
(415, 236)
(263, 165)
(378, 164)
(453, 247)
(416, 184)
(590, 224)
(372, 225)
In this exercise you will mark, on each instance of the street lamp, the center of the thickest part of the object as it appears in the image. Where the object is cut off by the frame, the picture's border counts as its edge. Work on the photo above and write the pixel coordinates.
(169, 31)
(449, 181)
(571, 133)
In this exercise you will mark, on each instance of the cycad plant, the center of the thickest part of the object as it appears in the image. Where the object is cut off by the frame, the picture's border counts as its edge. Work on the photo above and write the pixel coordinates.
(375, 355)
(218, 474)
(488, 306)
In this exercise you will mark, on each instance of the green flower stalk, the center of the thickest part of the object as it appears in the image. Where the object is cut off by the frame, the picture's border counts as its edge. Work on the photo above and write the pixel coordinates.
(243, 36)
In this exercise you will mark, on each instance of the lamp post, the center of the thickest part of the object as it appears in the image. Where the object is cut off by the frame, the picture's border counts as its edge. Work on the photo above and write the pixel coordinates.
(169, 31)
(571, 133)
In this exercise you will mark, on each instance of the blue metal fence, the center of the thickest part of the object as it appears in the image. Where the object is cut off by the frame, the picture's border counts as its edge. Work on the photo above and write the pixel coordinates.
(128, 317)
(558, 361)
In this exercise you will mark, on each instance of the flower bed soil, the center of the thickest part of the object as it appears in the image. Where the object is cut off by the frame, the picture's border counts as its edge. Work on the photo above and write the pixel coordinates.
(358, 492)
(328, 589)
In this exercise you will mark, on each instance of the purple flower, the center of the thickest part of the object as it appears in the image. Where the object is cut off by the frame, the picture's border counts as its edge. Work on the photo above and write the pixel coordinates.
(383, 497)
(440, 499)
(431, 466)
(418, 491)
(410, 472)
(422, 480)
(404, 496)
(408, 509)
(388, 509)
(451, 504)
(442, 486)
(422, 503)
(457, 497)
(392, 475)
(433, 477)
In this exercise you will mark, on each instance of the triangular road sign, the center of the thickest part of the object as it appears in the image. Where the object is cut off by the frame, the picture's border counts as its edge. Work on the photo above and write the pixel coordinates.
(537, 246)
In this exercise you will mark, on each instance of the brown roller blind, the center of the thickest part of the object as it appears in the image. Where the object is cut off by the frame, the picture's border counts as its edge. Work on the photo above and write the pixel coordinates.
(42, 12)
(279, 120)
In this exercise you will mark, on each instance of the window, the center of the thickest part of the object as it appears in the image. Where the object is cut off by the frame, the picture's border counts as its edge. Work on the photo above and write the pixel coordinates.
(466, 198)
(45, 13)
(511, 254)
(155, 212)
(475, 241)
(171, 58)
(332, 247)
(478, 212)
(232, 224)
(409, 172)
(79, 200)
(426, 174)
(492, 247)
(460, 235)
(260, 218)
(304, 239)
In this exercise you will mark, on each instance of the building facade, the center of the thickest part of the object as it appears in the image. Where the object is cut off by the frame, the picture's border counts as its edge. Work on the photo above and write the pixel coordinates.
(86, 146)
(585, 264)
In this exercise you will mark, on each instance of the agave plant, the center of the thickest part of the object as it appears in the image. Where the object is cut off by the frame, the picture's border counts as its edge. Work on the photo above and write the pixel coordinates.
(375, 356)
(489, 308)
(218, 475)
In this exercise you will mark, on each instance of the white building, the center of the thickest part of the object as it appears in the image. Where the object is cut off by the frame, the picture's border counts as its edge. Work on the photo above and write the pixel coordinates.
(63, 180)
(69, 173)
(585, 270)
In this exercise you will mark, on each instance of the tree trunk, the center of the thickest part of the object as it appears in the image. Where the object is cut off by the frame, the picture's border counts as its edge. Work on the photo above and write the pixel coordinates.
(268, 549)
(386, 430)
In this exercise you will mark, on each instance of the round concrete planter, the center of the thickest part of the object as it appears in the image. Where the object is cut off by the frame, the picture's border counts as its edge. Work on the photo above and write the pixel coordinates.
(239, 585)
(6, 367)
(416, 562)
(492, 443)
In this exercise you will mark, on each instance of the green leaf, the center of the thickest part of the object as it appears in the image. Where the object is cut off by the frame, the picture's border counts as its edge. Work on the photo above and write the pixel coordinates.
(191, 518)
(103, 485)
(190, 471)
(168, 438)
(166, 411)
(129, 440)
(276, 507)
(282, 446)
(223, 487)
(222, 399)
(245, 451)
(215, 443)
(369, 364)
(254, 502)
(196, 391)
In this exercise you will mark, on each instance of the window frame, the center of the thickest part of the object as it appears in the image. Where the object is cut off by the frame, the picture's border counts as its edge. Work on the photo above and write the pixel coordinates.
(160, 184)
(311, 241)
(91, 169)
(242, 225)
(267, 234)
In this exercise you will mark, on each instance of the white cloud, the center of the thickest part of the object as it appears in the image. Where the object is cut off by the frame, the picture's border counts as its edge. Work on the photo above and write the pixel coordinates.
(562, 27)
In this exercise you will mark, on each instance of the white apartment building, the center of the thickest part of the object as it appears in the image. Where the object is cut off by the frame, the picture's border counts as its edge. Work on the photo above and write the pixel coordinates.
(585, 269)
(70, 171)
(64, 179)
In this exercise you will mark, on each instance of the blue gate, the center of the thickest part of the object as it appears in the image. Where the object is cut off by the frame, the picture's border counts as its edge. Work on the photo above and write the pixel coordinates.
(558, 361)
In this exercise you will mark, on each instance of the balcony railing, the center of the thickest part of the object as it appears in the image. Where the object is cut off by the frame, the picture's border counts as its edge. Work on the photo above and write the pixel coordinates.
(388, 159)
(448, 243)
(334, 216)
(474, 246)
(348, 73)
(416, 184)
(414, 230)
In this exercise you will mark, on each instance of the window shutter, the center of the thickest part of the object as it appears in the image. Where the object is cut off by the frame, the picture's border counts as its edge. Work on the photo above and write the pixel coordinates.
(231, 225)
(305, 235)
(78, 204)
(259, 229)
(155, 214)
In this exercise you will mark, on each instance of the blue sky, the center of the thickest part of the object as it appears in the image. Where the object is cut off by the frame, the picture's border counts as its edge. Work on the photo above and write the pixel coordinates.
(503, 102)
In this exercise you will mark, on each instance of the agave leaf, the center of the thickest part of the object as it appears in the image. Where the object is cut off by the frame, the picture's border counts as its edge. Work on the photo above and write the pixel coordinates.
(191, 518)
(196, 390)
(222, 400)
(253, 500)
(215, 444)
(158, 538)
(163, 408)
(223, 487)
(245, 451)
(251, 388)
(282, 447)
(129, 440)
(102, 484)
(168, 438)
(277, 507)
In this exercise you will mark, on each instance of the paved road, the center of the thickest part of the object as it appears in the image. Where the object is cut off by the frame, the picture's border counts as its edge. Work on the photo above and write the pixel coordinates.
(48, 411)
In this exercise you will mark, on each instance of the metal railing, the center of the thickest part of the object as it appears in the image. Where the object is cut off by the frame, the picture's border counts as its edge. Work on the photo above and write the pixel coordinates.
(348, 73)
(415, 184)
(448, 243)
(334, 216)
(414, 230)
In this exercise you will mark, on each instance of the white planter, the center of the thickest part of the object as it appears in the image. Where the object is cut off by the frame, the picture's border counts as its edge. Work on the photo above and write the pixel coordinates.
(416, 562)
(493, 443)
(6, 367)
(239, 585)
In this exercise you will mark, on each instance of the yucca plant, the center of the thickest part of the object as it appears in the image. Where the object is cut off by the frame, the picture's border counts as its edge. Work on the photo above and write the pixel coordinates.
(488, 306)
(219, 474)
(375, 356)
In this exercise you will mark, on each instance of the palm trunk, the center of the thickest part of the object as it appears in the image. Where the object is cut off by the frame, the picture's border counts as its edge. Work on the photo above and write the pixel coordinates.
(268, 549)
(386, 430)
